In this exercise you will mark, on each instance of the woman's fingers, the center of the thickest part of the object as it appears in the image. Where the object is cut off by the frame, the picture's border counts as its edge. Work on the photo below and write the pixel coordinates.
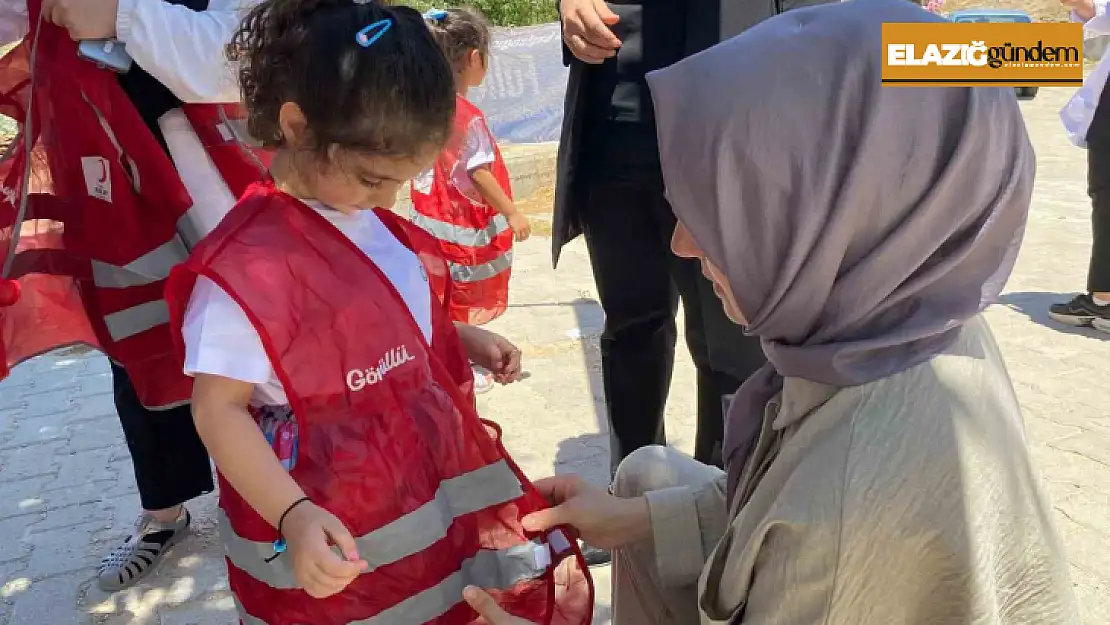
(488, 609)
(559, 488)
(586, 51)
(594, 23)
(543, 520)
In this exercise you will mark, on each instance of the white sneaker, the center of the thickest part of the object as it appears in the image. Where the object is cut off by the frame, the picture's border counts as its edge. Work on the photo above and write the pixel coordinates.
(483, 381)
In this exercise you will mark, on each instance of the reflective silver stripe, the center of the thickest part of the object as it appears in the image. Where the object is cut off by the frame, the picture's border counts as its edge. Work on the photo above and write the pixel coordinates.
(132, 321)
(416, 531)
(190, 228)
(488, 569)
(499, 569)
(477, 273)
(151, 267)
(485, 570)
(471, 237)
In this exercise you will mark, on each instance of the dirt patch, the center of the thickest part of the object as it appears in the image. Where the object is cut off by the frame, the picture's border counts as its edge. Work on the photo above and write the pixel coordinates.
(540, 202)
(538, 207)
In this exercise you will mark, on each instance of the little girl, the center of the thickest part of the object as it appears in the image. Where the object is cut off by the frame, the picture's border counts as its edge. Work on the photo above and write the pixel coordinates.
(464, 200)
(333, 391)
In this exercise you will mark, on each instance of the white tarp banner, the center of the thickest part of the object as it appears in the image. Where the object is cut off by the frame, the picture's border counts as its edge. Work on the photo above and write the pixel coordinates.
(522, 95)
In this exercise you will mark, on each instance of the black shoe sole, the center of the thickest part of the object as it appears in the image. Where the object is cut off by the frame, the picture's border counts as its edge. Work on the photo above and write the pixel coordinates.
(1076, 321)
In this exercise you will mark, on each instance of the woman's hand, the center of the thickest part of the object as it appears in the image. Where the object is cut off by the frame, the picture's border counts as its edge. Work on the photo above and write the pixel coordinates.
(600, 519)
(491, 351)
(488, 610)
(84, 19)
(586, 29)
(1085, 9)
(309, 533)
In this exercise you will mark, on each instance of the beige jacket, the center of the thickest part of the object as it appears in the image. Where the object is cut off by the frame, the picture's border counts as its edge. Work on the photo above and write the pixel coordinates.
(906, 501)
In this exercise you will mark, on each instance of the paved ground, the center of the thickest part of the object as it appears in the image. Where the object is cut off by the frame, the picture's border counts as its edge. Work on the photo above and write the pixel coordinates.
(67, 492)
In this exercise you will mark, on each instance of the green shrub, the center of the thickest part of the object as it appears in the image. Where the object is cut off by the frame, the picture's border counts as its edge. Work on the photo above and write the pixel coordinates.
(502, 12)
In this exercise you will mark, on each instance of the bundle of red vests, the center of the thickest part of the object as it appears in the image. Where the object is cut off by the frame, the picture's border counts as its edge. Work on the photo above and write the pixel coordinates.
(90, 211)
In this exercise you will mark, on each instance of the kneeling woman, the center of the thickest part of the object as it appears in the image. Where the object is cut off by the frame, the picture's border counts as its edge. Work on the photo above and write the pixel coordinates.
(877, 468)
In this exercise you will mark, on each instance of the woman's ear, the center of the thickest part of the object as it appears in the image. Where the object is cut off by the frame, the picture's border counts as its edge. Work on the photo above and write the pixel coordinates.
(294, 126)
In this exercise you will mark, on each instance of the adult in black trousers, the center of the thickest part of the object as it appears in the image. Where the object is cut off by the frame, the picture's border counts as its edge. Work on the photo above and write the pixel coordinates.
(178, 55)
(610, 189)
(1092, 307)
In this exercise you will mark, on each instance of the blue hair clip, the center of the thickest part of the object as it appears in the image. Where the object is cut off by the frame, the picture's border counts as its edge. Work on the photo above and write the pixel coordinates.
(435, 15)
(367, 36)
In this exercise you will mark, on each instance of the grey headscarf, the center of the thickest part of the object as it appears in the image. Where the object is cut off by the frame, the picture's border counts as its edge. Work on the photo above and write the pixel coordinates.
(859, 225)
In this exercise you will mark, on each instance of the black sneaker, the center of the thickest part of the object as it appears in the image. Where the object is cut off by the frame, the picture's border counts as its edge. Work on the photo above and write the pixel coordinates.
(595, 556)
(1082, 312)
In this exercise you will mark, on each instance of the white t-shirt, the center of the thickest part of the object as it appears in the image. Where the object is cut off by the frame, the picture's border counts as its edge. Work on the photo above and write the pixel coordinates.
(477, 150)
(220, 340)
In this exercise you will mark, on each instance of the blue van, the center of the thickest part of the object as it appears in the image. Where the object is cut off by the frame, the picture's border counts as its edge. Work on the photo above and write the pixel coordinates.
(1010, 16)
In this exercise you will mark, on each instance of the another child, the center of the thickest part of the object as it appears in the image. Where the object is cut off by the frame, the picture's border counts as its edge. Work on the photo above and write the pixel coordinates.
(333, 391)
(464, 200)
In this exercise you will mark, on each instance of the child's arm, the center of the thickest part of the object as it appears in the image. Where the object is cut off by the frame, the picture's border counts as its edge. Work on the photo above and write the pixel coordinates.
(496, 197)
(492, 351)
(239, 448)
(249, 464)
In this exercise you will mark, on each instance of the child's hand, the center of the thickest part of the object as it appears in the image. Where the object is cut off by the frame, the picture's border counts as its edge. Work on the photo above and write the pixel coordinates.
(522, 228)
(309, 533)
(491, 351)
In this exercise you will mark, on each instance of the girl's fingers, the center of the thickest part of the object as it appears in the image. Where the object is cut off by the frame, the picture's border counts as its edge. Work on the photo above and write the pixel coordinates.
(335, 568)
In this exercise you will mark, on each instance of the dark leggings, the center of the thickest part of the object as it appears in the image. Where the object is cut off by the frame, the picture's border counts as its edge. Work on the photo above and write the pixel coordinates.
(171, 464)
(1098, 187)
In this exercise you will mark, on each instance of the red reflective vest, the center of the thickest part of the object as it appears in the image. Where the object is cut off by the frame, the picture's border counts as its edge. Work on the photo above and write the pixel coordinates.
(93, 221)
(390, 441)
(474, 237)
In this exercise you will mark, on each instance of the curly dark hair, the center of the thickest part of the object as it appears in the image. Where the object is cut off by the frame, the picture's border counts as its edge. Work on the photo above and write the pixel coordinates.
(458, 32)
(394, 97)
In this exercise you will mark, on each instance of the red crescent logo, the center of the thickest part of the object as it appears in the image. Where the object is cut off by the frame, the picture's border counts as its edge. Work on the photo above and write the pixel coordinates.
(103, 172)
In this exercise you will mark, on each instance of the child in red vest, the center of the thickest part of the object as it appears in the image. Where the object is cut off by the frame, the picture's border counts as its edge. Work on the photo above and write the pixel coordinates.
(332, 388)
(464, 200)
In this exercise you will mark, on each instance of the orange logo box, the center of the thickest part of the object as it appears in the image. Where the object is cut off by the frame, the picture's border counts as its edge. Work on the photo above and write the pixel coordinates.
(982, 54)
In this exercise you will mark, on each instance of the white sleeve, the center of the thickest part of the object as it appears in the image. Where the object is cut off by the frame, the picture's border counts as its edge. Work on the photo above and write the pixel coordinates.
(1097, 25)
(182, 48)
(477, 148)
(1100, 23)
(13, 21)
(220, 340)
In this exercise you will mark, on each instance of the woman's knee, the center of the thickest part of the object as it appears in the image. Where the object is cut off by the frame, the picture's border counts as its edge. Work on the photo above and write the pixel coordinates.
(655, 467)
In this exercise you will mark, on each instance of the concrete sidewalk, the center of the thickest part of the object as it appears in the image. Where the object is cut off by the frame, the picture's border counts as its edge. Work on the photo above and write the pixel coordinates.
(67, 493)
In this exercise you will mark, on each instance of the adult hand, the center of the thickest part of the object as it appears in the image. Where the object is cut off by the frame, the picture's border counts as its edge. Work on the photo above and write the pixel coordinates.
(1085, 9)
(488, 610)
(491, 351)
(84, 19)
(586, 29)
(601, 519)
(309, 533)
